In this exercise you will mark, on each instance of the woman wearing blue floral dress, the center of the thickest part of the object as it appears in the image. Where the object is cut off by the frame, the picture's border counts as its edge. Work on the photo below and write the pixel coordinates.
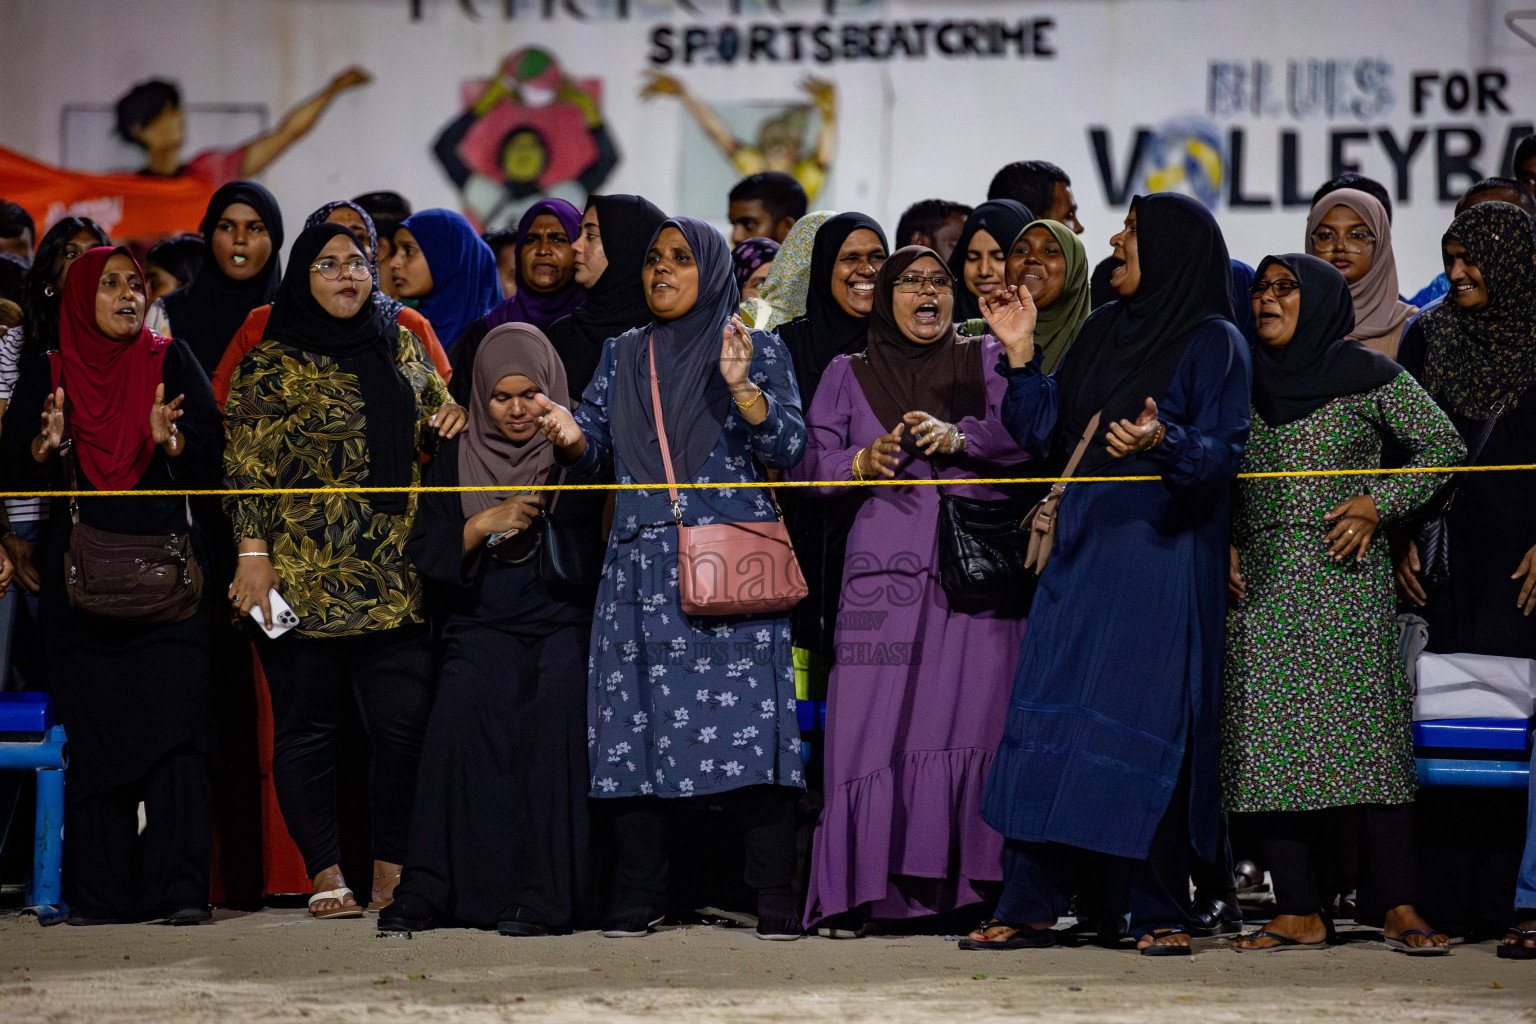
(682, 705)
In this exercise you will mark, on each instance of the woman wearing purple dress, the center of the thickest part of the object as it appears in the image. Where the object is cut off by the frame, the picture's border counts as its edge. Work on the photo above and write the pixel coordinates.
(919, 690)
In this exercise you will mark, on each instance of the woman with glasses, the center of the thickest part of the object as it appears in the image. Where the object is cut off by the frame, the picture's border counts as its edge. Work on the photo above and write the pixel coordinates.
(337, 395)
(1317, 709)
(918, 688)
(1111, 737)
(1350, 229)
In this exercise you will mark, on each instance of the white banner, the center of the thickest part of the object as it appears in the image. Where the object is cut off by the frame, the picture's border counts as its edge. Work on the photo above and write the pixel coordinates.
(1248, 104)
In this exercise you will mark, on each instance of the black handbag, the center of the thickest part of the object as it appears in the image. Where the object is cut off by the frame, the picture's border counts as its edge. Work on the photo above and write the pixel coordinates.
(1431, 531)
(983, 555)
(571, 541)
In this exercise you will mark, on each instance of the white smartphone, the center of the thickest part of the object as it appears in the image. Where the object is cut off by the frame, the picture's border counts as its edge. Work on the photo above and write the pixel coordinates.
(286, 619)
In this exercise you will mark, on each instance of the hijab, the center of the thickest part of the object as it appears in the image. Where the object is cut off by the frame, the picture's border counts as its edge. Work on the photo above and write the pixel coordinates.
(898, 375)
(110, 384)
(1321, 362)
(827, 330)
(1004, 220)
(1377, 309)
(540, 308)
(487, 457)
(207, 313)
(386, 303)
(694, 397)
(1057, 325)
(465, 283)
(365, 345)
(749, 255)
(1128, 349)
(1242, 297)
(1473, 360)
(616, 301)
(784, 294)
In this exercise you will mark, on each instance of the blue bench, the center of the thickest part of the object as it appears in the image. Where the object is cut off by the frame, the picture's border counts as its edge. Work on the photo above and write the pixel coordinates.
(1489, 753)
(30, 740)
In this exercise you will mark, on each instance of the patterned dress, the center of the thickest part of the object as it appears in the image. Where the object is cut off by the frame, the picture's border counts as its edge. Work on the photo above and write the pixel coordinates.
(1317, 708)
(683, 706)
(295, 419)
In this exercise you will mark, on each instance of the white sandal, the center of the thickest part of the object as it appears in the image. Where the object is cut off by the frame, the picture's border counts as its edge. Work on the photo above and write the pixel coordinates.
(340, 896)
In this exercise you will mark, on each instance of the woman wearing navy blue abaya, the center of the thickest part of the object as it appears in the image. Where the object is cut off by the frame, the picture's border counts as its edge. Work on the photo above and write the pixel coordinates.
(1111, 739)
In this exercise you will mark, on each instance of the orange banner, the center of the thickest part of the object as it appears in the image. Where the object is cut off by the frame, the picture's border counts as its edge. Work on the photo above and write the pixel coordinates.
(127, 206)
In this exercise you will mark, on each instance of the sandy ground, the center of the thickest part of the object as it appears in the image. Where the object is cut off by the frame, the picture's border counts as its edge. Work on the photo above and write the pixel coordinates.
(279, 966)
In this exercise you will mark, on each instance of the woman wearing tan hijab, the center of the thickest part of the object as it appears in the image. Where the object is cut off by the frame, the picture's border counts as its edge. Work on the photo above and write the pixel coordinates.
(1350, 229)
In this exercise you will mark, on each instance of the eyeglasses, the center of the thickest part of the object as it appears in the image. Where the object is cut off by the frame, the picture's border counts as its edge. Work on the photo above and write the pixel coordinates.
(1283, 287)
(907, 284)
(331, 269)
(1353, 241)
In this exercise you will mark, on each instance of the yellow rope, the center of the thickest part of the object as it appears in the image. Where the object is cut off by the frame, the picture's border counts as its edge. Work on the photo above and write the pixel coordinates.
(898, 482)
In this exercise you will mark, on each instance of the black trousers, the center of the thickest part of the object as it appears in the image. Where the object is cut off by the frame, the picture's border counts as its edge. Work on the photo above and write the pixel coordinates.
(1039, 878)
(1297, 850)
(640, 825)
(111, 870)
(389, 674)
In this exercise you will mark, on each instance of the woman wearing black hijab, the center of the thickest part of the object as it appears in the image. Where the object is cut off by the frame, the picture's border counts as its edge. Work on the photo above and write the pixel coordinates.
(848, 253)
(980, 260)
(336, 395)
(1316, 707)
(615, 232)
(1112, 735)
(243, 230)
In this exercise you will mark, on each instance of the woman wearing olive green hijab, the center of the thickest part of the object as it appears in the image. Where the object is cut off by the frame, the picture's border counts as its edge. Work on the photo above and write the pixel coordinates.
(1049, 262)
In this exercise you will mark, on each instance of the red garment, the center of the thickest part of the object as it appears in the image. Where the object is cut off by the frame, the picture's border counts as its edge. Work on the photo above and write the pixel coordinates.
(217, 167)
(250, 333)
(109, 384)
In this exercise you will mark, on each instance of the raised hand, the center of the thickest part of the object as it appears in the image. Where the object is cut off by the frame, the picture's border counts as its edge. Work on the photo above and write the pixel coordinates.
(881, 457)
(557, 424)
(350, 79)
(1011, 314)
(1357, 519)
(162, 421)
(1526, 602)
(660, 84)
(51, 434)
(933, 435)
(1126, 438)
(736, 356)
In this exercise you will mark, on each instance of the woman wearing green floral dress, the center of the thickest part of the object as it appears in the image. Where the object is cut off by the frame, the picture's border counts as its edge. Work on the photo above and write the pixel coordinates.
(336, 395)
(1317, 710)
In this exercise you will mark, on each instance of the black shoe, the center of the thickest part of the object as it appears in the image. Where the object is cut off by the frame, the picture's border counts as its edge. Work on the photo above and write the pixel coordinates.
(1216, 917)
(779, 929)
(1248, 877)
(847, 925)
(408, 913)
(521, 924)
(778, 915)
(631, 924)
(189, 915)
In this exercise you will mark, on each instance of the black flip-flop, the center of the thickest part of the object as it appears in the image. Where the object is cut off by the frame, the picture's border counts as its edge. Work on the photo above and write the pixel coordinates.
(1161, 949)
(1285, 942)
(1023, 937)
(1518, 950)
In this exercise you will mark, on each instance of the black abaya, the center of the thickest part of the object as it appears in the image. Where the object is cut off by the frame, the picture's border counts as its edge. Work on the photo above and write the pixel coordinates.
(501, 827)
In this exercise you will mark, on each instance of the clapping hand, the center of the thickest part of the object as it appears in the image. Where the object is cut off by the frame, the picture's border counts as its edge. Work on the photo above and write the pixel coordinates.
(735, 354)
(881, 457)
(1127, 438)
(932, 434)
(1011, 314)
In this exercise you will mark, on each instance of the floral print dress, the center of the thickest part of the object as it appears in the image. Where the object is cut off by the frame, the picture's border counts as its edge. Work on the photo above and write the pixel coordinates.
(296, 419)
(679, 705)
(1317, 708)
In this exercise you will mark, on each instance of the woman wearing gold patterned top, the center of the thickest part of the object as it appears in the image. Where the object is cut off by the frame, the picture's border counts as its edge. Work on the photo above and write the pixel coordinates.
(336, 396)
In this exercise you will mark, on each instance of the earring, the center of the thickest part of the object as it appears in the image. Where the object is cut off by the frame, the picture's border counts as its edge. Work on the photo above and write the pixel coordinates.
(48, 290)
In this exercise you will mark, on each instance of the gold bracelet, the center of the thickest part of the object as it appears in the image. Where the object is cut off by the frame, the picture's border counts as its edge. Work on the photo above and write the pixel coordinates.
(744, 406)
(857, 475)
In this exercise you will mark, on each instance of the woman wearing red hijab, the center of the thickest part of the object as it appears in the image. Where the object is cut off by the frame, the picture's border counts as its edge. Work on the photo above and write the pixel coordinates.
(132, 695)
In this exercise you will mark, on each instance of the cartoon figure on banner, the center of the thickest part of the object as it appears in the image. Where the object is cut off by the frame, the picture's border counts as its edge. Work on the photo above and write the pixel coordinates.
(150, 117)
(781, 139)
(1186, 155)
(531, 133)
